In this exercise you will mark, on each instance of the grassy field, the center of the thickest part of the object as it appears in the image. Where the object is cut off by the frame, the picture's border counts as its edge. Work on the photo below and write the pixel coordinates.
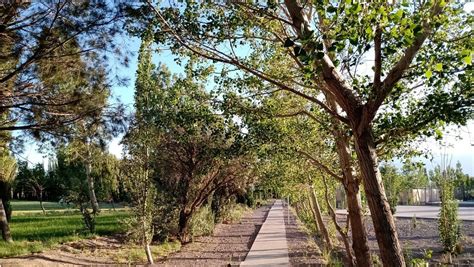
(36, 232)
(23, 206)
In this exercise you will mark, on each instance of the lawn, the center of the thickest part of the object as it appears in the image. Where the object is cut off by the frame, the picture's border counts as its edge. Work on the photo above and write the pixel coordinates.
(36, 232)
(22, 206)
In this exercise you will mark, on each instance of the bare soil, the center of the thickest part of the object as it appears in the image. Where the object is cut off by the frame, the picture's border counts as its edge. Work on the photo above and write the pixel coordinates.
(229, 244)
(96, 251)
(303, 250)
(421, 235)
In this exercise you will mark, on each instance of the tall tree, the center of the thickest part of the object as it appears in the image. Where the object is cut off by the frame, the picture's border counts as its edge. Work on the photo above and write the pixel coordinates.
(196, 151)
(395, 35)
(8, 168)
(41, 78)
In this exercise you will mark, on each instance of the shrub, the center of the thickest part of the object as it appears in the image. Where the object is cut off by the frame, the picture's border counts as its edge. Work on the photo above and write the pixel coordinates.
(448, 224)
(233, 212)
(202, 223)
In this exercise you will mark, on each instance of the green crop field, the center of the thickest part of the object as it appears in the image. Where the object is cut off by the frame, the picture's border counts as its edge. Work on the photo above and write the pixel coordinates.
(23, 206)
(35, 232)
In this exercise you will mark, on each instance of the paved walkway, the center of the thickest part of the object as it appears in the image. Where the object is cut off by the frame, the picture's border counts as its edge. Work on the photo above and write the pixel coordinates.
(270, 247)
(432, 212)
(429, 212)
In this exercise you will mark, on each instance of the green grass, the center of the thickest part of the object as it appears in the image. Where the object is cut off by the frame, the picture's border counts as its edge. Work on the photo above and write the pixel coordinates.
(22, 206)
(35, 232)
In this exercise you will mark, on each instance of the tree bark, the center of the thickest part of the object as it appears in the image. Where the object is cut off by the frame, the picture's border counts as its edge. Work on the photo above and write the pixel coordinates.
(6, 234)
(351, 261)
(149, 257)
(41, 201)
(311, 210)
(5, 196)
(360, 243)
(90, 183)
(319, 218)
(183, 227)
(384, 225)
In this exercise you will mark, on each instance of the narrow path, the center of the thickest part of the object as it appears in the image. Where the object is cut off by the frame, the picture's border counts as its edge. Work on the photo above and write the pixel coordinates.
(229, 243)
(270, 247)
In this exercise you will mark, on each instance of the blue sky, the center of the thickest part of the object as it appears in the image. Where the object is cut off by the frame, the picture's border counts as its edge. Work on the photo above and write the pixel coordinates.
(460, 149)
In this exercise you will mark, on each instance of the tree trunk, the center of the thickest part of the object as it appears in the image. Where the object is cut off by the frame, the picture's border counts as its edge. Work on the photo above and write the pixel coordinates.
(319, 218)
(183, 227)
(384, 225)
(6, 234)
(350, 256)
(90, 183)
(5, 196)
(149, 257)
(360, 243)
(41, 201)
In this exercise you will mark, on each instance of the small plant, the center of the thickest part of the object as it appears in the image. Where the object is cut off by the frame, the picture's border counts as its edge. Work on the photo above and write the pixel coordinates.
(202, 223)
(448, 223)
(417, 262)
(428, 254)
(375, 260)
(414, 223)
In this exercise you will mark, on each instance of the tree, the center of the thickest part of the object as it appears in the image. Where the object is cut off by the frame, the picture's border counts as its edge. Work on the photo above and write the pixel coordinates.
(8, 170)
(281, 122)
(448, 224)
(53, 66)
(196, 151)
(396, 35)
(41, 79)
(32, 180)
(393, 184)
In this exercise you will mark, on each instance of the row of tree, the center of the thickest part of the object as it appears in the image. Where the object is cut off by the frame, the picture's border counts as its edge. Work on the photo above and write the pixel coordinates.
(366, 73)
(412, 176)
(339, 86)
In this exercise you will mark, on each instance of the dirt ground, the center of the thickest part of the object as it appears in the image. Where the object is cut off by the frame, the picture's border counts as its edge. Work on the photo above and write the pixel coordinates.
(83, 252)
(230, 244)
(420, 237)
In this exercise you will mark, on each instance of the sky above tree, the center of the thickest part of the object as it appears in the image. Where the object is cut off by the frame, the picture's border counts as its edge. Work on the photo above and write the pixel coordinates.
(457, 142)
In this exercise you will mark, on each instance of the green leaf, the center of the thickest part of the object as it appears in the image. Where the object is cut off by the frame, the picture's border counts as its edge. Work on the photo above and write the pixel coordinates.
(439, 134)
(439, 67)
(369, 30)
(467, 59)
(399, 14)
(358, 9)
(428, 74)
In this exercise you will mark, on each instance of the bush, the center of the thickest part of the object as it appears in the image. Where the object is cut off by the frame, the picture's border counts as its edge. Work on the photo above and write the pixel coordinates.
(232, 212)
(448, 224)
(202, 223)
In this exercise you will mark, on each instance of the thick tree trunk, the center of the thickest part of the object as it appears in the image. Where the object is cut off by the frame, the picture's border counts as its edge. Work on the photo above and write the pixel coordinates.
(384, 225)
(319, 218)
(360, 243)
(6, 234)
(183, 227)
(5, 196)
